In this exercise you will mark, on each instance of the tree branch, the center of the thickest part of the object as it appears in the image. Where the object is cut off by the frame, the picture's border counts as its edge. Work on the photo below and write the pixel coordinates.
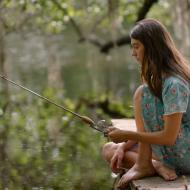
(126, 39)
(93, 39)
(72, 21)
(145, 9)
(21, 21)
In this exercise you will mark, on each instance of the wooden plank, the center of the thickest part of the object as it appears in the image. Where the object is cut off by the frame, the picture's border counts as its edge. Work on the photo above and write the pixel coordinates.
(157, 183)
(127, 124)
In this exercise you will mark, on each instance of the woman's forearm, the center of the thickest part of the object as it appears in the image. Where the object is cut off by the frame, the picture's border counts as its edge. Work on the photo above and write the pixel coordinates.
(159, 137)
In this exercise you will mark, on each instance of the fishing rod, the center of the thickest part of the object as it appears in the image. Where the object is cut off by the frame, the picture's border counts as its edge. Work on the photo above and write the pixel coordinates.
(99, 126)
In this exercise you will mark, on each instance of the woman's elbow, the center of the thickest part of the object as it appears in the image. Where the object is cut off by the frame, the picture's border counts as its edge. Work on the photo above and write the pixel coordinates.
(169, 142)
(168, 139)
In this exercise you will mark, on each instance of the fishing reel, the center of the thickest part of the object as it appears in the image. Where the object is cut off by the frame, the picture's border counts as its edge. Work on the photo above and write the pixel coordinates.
(102, 125)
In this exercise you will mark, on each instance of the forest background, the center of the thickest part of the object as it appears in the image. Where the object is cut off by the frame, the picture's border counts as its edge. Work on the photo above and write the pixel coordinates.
(76, 53)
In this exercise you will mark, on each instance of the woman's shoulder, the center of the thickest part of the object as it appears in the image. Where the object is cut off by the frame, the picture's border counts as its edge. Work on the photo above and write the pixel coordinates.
(175, 80)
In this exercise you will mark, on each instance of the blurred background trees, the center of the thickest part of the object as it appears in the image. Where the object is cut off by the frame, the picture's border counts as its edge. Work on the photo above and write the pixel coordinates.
(78, 54)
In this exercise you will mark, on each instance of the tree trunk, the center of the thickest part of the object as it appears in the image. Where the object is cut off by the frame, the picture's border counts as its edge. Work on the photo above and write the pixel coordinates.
(53, 68)
(4, 84)
(4, 171)
(181, 15)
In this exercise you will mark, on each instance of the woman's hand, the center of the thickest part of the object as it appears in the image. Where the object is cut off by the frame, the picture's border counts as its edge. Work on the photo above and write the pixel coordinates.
(116, 135)
(116, 161)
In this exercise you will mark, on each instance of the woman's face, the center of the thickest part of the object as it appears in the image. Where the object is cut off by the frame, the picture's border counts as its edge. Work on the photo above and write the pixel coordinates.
(137, 50)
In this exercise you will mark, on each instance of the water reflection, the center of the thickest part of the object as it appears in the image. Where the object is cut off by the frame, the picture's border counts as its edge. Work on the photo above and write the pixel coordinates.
(74, 68)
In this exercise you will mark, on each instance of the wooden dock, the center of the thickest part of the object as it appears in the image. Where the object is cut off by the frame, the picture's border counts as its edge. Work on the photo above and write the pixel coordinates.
(157, 183)
(152, 183)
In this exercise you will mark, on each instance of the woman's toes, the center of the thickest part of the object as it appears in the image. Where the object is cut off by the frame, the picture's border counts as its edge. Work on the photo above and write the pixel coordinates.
(173, 177)
(167, 173)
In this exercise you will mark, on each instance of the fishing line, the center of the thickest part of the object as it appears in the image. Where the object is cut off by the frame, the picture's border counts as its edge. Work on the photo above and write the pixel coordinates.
(85, 119)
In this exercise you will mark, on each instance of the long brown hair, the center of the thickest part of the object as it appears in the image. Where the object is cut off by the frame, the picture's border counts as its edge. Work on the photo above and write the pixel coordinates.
(160, 55)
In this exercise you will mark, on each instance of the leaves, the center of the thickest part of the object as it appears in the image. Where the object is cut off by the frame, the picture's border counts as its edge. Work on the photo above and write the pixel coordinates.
(44, 150)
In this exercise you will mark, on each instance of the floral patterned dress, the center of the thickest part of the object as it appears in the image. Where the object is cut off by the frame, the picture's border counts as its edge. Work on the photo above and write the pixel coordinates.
(175, 99)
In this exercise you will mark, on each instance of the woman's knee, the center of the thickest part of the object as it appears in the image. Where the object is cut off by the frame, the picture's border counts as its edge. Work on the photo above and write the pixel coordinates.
(108, 150)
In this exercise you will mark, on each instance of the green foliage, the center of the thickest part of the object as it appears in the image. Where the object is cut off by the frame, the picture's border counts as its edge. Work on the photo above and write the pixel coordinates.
(54, 16)
(161, 11)
(43, 147)
(125, 111)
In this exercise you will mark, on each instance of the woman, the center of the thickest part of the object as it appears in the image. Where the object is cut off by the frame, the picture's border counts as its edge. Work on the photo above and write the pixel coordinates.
(162, 111)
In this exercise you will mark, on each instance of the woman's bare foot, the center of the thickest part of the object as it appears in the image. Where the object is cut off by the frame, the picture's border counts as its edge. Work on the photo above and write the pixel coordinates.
(136, 172)
(165, 172)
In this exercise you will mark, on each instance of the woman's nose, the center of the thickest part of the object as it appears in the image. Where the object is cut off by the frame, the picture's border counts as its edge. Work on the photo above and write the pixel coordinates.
(133, 53)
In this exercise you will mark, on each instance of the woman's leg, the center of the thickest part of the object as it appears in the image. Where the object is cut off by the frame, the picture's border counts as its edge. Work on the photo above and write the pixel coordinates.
(145, 156)
(142, 164)
(167, 173)
(130, 156)
(142, 168)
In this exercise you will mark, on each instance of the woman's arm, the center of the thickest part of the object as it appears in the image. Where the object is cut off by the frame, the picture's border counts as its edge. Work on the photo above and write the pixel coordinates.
(165, 137)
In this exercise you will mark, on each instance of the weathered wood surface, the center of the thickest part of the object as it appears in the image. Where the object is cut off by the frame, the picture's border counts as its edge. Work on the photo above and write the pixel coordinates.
(128, 124)
(157, 183)
(153, 183)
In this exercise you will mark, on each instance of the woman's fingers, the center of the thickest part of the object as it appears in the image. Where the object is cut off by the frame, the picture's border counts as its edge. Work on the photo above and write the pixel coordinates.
(117, 159)
(113, 164)
(121, 183)
(115, 135)
(120, 160)
(108, 130)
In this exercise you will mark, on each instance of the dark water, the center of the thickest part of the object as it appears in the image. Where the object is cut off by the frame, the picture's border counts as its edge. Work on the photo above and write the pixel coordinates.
(77, 69)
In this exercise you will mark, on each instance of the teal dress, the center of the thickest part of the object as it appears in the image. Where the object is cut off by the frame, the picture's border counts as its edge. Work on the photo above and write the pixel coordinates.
(175, 99)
